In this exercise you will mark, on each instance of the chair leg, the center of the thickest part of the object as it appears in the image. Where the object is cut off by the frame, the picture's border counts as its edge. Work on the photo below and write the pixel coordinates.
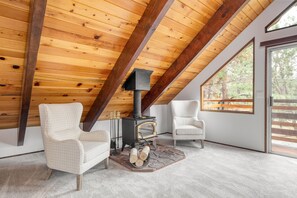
(79, 182)
(106, 162)
(49, 173)
(174, 143)
(202, 143)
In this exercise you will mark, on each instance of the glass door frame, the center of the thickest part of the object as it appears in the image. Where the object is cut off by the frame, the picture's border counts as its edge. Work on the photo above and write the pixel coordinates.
(269, 50)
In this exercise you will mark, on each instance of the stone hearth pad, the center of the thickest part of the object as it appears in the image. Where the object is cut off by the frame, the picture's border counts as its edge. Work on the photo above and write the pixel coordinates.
(161, 157)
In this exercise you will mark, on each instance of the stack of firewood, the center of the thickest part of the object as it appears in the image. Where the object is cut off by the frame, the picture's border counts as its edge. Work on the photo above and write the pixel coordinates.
(137, 158)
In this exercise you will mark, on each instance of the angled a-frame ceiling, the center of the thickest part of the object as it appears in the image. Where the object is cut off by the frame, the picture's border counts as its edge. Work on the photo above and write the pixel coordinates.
(82, 40)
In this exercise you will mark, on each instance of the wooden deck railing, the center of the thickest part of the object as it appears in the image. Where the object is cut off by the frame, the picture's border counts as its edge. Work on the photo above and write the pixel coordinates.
(284, 120)
(229, 105)
(284, 115)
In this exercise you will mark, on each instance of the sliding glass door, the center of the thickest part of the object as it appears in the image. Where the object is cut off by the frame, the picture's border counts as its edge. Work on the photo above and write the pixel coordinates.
(282, 89)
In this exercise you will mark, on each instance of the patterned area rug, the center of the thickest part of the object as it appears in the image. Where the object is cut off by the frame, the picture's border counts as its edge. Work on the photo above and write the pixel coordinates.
(160, 157)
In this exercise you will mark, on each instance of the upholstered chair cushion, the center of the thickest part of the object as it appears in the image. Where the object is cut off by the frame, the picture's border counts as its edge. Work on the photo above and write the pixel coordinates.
(93, 149)
(188, 130)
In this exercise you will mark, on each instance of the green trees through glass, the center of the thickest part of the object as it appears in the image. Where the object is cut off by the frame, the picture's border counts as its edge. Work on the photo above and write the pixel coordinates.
(286, 19)
(284, 72)
(231, 87)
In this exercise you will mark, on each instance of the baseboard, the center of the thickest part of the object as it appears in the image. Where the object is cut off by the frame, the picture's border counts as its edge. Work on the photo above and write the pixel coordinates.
(22, 154)
(234, 146)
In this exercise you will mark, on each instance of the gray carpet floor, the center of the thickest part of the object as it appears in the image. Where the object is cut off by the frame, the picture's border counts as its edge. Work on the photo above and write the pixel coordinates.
(215, 171)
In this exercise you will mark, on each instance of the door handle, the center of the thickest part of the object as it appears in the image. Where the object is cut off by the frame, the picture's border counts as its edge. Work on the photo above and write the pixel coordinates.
(271, 101)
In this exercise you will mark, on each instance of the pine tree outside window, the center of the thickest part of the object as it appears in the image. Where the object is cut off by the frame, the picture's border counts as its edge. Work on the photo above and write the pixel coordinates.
(231, 88)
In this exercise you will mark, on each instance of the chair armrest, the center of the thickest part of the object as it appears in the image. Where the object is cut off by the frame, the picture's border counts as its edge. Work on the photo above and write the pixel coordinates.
(64, 153)
(96, 136)
(199, 123)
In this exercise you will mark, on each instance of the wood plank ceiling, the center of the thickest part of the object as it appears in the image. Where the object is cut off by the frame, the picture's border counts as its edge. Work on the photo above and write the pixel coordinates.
(82, 40)
(13, 35)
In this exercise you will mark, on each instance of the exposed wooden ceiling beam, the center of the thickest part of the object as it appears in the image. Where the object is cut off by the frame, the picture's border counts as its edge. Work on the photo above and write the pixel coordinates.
(214, 25)
(37, 12)
(152, 16)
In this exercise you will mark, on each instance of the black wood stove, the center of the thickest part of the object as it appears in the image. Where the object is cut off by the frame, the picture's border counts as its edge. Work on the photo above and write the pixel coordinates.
(137, 127)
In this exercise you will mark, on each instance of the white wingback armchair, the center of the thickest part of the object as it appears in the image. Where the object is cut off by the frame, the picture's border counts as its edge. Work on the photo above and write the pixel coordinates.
(68, 148)
(186, 125)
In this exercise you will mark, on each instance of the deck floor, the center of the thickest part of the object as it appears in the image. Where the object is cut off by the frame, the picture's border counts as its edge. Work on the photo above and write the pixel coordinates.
(284, 149)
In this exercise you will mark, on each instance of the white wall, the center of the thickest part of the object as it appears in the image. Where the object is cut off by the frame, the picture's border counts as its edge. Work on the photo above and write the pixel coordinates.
(243, 130)
(8, 142)
(163, 120)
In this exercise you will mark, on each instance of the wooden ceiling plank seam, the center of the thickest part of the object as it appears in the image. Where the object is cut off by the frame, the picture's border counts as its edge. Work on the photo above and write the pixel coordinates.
(142, 2)
(111, 9)
(184, 19)
(16, 14)
(13, 44)
(86, 28)
(13, 24)
(13, 34)
(189, 12)
(13, 60)
(263, 3)
(179, 27)
(37, 13)
(74, 61)
(56, 51)
(199, 7)
(244, 18)
(67, 77)
(87, 13)
(155, 44)
(148, 23)
(167, 31)
(212, 28)
(92, 13)
(94, 24)
(133, 6)
(238, 24)
(254, 4)
(11, 52)
(63, 69)
(171, 40)
(107, 51)
(219, 1)
(21, 5)
(211, 4)
(248, 11)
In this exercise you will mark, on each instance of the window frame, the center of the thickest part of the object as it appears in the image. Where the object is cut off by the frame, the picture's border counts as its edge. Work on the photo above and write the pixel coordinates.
(218, 70)
(278, 16)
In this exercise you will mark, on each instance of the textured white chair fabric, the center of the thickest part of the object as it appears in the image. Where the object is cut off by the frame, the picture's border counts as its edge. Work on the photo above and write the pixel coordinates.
(186, 125)
(68, 148)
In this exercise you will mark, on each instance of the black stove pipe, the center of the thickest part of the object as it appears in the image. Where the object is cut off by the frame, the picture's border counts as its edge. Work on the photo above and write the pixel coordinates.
(137, 104)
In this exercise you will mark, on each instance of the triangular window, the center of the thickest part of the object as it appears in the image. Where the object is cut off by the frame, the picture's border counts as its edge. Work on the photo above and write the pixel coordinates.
(287, 18)
(231, 88)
